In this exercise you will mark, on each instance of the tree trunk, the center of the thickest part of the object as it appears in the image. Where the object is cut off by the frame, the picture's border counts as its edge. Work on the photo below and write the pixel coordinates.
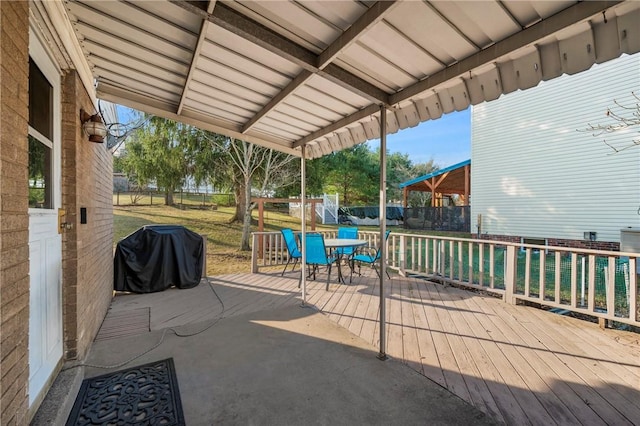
(168, 197)
(241, 203)
(246, 223)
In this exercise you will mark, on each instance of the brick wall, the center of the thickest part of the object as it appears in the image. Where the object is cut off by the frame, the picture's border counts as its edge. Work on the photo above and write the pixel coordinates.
(87, 248)
(558, 242)
(14, 223)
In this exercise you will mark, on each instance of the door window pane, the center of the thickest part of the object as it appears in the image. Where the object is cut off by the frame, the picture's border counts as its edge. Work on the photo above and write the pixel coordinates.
(40, 102)
(40, 183)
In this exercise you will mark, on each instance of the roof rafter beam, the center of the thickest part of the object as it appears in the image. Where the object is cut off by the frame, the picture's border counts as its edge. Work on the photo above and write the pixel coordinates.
(242, 26)
(196, 53)
(372, 16)
(572, 15)
(298, 81)
(440, 180)
(358, 115)
(368, 19)
(164, 109)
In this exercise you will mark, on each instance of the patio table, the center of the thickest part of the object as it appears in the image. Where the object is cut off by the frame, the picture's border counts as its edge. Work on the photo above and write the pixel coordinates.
(333, 243)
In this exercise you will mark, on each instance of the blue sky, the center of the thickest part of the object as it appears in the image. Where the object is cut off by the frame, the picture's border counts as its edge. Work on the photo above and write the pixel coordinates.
(446, 140)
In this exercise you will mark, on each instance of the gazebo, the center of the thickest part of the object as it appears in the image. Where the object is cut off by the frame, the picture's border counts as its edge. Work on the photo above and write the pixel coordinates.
(452, 180)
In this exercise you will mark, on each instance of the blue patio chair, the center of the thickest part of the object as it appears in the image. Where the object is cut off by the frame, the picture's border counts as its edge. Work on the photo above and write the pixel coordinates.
(292, 247)
(346, 252)
(371, 257)
(317, 256)
(348, 233)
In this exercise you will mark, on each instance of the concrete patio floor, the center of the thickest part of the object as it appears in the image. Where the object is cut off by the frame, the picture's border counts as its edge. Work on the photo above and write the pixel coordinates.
(289, 365)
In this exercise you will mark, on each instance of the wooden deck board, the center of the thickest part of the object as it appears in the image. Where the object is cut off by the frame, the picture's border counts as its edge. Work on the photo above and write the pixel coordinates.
(482, 394)
(599, 398)
(562, 383)
(349, 313)
(530, 366)
(361, 309)
(604, 372)
(472, 358)
(411, 348)
(604, 350)
(518, 364)
(453, 356)
(429, 358)
(514, 376)
(124, 323)
(395, 337)
(369, 331)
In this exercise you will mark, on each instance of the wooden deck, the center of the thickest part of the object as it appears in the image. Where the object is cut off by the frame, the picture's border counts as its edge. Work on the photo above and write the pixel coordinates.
(518, 364)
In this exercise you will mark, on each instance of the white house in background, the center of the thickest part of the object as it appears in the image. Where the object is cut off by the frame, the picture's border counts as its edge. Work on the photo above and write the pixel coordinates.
(537, 174)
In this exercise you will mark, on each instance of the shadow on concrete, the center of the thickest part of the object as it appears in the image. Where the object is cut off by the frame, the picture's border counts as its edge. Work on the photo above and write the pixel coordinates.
(290, 365)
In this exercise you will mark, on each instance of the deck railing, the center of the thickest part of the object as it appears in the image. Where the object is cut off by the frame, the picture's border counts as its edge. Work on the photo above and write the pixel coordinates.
(597, 283)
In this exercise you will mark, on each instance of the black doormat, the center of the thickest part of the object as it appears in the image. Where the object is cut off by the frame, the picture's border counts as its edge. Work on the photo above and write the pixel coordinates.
(143, 395)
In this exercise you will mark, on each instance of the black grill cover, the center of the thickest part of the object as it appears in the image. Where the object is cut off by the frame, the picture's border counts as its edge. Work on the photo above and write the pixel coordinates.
(155, 257)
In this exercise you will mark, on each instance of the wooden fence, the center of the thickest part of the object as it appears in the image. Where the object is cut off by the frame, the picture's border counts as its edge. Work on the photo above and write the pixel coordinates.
(602, 284)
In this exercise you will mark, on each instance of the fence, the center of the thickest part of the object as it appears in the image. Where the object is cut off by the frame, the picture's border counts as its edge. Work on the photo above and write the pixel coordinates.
(326, 211)
(602, 284)
(147, 198)
(449, 218)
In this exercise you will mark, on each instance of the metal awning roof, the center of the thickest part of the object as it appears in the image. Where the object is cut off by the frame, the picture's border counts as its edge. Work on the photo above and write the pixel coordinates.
(288, 73)
(454, 183)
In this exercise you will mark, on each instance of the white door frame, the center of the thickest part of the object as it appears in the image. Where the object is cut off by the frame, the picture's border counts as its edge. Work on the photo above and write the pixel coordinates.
(43, 224)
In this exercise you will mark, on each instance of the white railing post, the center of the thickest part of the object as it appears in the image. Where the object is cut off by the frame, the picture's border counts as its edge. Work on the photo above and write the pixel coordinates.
(402, 256)
(510, 275)
(254, 254)
(611, 289)
(633, 289)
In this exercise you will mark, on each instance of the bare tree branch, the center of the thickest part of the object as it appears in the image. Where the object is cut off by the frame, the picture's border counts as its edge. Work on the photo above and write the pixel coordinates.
(624, 117)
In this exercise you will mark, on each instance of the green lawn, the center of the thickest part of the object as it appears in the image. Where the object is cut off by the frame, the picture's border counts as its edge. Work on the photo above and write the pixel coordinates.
(223, 238)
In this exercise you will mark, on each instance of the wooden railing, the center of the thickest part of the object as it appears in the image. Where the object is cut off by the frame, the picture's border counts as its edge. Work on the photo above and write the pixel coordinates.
(602, 284)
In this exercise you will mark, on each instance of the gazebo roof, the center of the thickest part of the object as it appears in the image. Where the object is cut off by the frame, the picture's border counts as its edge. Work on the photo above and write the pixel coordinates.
(284, 74)
(450, 180)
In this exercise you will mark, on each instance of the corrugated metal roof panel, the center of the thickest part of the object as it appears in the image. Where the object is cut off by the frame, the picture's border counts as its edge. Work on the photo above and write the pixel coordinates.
(329, 88)
(290, 73)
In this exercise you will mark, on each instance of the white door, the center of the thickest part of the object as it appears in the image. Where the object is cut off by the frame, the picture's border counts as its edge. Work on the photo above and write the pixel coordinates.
(45, 243)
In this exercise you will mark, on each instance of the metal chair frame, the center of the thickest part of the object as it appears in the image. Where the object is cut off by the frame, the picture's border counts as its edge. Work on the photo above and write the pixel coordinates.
(292, 247)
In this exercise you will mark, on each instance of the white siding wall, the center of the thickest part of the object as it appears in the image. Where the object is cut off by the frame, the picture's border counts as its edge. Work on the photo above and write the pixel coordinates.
(534, 174)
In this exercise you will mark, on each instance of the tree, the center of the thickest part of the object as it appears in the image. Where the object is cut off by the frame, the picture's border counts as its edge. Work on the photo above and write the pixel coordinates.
(399, 169)
(316, 172)
(622, 117)
(248, 165)
(354, 173)
(417, 198)
(118, 164)
(157, 152)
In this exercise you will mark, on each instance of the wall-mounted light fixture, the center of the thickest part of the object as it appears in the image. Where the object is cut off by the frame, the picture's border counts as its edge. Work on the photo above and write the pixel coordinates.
(93, 126)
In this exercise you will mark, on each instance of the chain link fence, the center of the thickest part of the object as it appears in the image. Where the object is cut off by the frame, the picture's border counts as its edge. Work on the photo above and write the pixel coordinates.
(449, 218)
(190, 199)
